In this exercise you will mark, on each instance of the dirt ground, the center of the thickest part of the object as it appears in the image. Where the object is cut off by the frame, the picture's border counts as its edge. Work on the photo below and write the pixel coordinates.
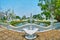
(13, 35)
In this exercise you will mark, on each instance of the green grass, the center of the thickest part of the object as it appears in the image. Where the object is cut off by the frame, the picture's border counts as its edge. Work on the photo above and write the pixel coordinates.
(14, 22)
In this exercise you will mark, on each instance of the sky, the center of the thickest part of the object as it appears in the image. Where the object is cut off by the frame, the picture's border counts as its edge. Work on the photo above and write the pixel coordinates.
(21, 7)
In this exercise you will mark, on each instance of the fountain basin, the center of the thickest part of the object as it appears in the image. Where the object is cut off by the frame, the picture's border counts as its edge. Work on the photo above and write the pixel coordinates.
(30, 36)
(30, 32)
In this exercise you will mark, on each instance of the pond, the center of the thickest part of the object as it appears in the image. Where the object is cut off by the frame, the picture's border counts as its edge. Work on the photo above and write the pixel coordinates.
(56, 26)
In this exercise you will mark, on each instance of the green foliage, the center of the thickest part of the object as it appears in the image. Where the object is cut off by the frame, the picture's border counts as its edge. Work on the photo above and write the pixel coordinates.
(14, 22)
(38, 16)
(24, 17)
(47, 14)
(17, 17)
(50, 5)
(4, 18)
(29, 21)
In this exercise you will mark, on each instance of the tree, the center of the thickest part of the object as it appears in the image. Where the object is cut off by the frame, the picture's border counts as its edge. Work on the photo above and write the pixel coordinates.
(17, 17)
(24, 17)
(34, 16)
(51, 6)
(44, 8)
(38, 16)
(57, 10)
(47, 14)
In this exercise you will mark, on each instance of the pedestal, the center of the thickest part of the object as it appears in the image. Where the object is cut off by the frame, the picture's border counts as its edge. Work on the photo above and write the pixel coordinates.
(30, 37)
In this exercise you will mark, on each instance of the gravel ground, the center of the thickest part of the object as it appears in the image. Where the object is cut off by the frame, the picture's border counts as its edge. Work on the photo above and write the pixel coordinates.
(12, 35)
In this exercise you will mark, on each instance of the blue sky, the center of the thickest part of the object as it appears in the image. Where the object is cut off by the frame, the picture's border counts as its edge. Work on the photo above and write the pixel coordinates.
(21, 7)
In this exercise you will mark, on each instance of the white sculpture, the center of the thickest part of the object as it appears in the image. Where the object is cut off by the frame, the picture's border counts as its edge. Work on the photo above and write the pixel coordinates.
(30, 31)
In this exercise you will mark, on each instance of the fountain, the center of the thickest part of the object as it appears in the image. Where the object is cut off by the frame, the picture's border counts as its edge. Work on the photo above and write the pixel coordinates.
(30, 29)
(30, 32)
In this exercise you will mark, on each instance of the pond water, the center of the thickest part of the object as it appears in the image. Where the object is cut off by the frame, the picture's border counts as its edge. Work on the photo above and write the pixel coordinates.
(56, 26)
(20, 26)
(41, 24)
